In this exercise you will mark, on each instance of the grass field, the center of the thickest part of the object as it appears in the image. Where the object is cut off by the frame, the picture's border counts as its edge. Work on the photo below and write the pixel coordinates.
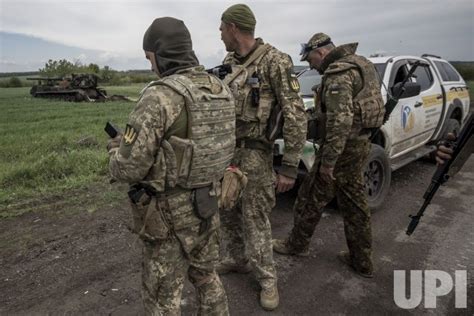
(41, 149)
(470, 84)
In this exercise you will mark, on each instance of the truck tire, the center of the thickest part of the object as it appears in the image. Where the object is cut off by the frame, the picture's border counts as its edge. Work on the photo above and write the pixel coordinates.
(452, 125)
(377, 177)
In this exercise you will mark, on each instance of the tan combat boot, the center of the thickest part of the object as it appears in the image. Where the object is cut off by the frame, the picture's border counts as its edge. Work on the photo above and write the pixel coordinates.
(281, 246)
(269, 298)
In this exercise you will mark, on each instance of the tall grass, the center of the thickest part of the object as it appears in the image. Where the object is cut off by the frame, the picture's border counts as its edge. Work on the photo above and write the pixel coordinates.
(47, 147)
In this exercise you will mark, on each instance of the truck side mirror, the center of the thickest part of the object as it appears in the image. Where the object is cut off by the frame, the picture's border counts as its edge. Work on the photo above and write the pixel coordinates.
(411, 89)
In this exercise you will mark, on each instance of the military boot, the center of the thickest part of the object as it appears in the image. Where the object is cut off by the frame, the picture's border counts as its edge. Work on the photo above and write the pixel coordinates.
(269, 298)
(283, 247)
(226, 266)
(345, 258)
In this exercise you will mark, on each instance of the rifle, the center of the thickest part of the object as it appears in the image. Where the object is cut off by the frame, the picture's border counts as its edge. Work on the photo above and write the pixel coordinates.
(462, 149)
(220, 71)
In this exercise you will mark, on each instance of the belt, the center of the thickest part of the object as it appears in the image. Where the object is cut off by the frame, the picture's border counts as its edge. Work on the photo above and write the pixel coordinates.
(253, 144)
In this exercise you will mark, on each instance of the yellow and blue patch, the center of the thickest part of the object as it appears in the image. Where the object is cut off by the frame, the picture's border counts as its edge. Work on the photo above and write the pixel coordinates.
(408, 118)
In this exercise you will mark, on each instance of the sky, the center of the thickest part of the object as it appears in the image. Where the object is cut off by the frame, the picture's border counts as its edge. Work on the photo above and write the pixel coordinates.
(110, 32)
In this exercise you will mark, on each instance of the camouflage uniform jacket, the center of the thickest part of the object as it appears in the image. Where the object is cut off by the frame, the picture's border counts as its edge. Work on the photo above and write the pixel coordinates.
(275, 74)
(334, 101)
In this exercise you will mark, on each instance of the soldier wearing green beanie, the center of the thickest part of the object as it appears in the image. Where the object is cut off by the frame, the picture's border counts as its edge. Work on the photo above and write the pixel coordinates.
(265, 89)
(241, 16)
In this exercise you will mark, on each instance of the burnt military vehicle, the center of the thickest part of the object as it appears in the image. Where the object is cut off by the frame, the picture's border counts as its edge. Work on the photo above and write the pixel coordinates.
(77, 87)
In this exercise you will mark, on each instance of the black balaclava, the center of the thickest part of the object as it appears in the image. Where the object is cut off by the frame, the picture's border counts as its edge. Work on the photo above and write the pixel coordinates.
(171, 42)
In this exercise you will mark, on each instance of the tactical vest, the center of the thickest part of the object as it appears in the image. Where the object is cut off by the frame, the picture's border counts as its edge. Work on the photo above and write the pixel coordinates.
(368, 103)
(200, 159)
(253, 98)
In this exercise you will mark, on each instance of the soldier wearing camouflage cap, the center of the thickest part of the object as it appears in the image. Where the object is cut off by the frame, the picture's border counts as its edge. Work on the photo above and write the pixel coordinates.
(173, 153)
(348, 106)
(265, 88)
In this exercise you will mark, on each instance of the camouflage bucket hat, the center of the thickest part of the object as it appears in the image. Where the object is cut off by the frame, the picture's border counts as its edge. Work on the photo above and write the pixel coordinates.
(316, 41)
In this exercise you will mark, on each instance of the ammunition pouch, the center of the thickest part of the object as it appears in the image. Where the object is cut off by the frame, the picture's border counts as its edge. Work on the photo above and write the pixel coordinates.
(205, 202)
(148, 220)
(183, 150)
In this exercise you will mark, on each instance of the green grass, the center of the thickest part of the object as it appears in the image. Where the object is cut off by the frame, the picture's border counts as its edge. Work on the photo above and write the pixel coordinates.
(40, 152)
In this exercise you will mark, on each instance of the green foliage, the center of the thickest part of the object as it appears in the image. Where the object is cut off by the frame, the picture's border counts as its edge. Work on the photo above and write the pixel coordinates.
(63, 67)
(466, 69)
(42, 152)
(12, 82)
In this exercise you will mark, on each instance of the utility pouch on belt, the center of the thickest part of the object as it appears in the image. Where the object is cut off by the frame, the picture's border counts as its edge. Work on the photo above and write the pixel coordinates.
(155, 226)
(205, 204)
(139, 203)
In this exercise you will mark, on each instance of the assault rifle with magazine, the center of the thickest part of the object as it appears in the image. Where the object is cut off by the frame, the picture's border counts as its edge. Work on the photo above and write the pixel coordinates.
(462, 148)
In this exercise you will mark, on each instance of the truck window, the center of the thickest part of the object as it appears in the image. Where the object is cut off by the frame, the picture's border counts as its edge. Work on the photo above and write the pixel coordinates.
(448, 73)
(400, 74)
(380, 70)
(424, 77)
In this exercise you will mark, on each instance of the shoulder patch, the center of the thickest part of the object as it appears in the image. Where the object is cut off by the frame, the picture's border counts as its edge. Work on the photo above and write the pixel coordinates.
(339, 67)
(130, 135)
(293, 81)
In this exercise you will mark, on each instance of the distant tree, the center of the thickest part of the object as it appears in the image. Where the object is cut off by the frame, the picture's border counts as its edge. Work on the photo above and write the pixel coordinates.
(14, 82)
(94, 68)
(58, 68)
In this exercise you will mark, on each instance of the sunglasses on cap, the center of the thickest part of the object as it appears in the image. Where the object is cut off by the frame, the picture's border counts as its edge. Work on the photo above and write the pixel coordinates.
(305, 48)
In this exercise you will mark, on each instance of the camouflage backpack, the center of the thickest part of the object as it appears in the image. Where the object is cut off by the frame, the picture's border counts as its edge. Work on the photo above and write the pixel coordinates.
(368, 102)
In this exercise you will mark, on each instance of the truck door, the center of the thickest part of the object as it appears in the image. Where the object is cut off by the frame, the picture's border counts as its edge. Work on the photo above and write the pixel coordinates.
(404, 118)
(429, 105)
(457, 94)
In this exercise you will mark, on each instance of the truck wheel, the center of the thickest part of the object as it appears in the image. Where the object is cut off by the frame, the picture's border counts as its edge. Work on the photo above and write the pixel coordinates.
(452, 125)
(377, 176)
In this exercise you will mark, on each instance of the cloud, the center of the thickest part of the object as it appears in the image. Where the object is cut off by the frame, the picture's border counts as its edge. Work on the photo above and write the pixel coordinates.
(115, 28)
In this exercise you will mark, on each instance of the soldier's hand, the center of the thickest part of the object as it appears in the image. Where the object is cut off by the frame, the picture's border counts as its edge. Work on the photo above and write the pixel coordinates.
(284, 183)
(444, 152)
(114, 142)
(326, 173)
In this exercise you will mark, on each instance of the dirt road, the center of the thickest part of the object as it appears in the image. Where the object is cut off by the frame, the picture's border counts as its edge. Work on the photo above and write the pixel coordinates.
(65, 259)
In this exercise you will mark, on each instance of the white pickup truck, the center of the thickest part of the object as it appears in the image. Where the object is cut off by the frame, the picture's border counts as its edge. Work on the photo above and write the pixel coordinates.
(435, 102)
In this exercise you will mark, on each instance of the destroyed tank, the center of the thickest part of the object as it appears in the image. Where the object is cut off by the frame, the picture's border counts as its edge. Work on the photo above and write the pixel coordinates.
(77, 87)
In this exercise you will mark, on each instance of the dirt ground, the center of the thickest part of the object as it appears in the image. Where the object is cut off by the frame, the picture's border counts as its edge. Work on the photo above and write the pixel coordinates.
(65, 259)
(68, 258)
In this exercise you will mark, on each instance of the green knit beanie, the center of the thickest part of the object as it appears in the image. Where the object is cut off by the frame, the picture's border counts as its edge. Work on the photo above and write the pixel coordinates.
(241, 16)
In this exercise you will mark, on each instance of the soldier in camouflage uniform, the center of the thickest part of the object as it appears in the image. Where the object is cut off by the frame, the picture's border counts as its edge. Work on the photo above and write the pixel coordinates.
(349, 105)
(179, 139)
(264, 86)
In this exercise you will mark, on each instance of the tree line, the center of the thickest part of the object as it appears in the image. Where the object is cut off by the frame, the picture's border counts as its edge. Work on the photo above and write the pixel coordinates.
(109, 76)
(63, 67)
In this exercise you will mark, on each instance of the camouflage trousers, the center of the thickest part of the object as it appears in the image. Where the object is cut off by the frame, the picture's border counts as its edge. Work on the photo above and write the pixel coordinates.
(246, 233)
(348, 188)
(187, 252)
